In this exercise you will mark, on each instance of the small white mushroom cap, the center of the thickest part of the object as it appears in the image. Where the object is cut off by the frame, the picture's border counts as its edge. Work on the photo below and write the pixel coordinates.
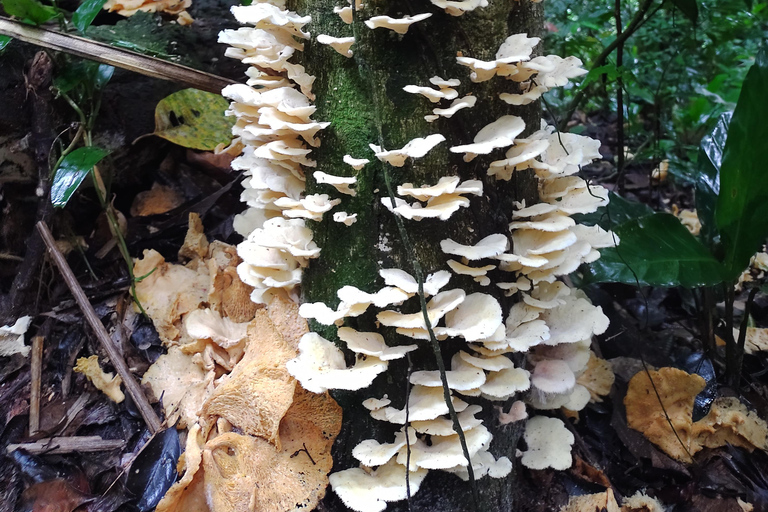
(387, 296)
(370, 491)
(320, 366)
(491, 364)
(399, 25)
(372, 344)
(553, 376)
(455, 106)
(466, 270)
(416, 148)
(498, 134)
(445, 185)
(266, 16)
(424, 403)
(574, 321)
(505, 383)
(518, 157)
(441, 207)
(345, 218)
(372, 453)
(437, 307)
(488, 247)
(340, 44)
(345, 13)
(356, 163)
(374, 404)
(457, 8)
(516, 412)
(444, 426)
(443, 83)
(406, 282)
(208, 324)
(340, 183)
(445, 451)
(517, 47)
(459, 380)
(477, 317)
(576, 355)
(433, 95)
(549, 444)
(578, 398)
(530, 242)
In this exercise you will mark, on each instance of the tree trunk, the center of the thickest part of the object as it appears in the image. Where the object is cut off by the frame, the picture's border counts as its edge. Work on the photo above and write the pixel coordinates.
(363, 98)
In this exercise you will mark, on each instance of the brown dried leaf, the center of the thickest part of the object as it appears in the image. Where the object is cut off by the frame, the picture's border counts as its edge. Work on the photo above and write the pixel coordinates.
(677, 391)
(159, 199)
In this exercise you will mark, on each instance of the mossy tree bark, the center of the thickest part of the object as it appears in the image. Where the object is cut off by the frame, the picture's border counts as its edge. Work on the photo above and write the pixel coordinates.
(363, 98)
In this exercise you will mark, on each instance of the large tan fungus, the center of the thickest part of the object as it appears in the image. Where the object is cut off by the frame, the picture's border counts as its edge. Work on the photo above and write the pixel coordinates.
(730, 422)
(107, 383)
(248, 473)
(602, 502)
(181, 384)
(259, 391)
(188, 494)
(131, 7)
(677, 391)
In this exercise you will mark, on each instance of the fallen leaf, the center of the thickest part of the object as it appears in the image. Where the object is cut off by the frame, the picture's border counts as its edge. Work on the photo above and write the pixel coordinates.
(194, 119)
(159, 199)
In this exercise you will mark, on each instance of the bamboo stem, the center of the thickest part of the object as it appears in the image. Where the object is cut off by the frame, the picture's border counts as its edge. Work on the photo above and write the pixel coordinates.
(106, 54)
(36, 371)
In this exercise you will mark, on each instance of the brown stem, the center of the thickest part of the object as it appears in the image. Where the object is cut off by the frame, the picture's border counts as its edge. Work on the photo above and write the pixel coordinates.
(36, 375)
(133, 388)
(634, 24)
(619, 102)
(39, 101)
(730, 343)
(739, 355)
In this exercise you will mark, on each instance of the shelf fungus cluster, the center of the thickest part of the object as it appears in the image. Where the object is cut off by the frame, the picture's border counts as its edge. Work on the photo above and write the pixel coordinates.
(536, 353)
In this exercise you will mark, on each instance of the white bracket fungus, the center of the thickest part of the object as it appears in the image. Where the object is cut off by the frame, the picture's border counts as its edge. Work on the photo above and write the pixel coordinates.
(399, 25)
(356, 163)
(340, 183)
(340, 44)
(345, 13)
(498, 134)
(320, 366)
(433, 95)
(488, 247)
(416, 148)
(457, 8)
(345, 218)
(370, 491)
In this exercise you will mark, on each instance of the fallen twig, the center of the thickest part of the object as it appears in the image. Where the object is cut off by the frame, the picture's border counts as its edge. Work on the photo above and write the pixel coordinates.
(133, 388)
(36, 365)
(106, 54)
(62, 445)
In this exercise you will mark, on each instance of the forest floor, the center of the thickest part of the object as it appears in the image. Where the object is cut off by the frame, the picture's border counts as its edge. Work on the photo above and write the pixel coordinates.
(650, 327)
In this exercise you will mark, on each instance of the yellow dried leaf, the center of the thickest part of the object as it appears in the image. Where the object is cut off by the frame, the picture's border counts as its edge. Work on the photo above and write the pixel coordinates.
(159, 199)
(107, 383)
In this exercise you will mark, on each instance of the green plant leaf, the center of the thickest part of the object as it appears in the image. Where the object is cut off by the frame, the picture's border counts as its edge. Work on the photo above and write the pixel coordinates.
(707, 180)
(4, 41)
(29, 11)
(617, 212)
(742, 204)
(689, 9)
(193, 119)
(84, 15)
(656, 250)
(73, 170)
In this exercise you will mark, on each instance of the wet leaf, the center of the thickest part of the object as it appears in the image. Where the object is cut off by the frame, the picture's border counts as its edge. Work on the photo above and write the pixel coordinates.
(742, 205)
(84, 15)
(154, 470)
(707, 181)
(193, 119)
(29, 11)
(4, 41)
(72, 171)
(656, 250)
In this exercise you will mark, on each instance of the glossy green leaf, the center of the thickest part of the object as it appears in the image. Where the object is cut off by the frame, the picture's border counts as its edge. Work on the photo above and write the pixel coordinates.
(742, 204)
(4, 41)
(689, 9)
(706, 182)
(615, 213)
(75, 167)
(91, 75)
(29, 11)
(194, 119)
(85, 14)
(656, 250)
